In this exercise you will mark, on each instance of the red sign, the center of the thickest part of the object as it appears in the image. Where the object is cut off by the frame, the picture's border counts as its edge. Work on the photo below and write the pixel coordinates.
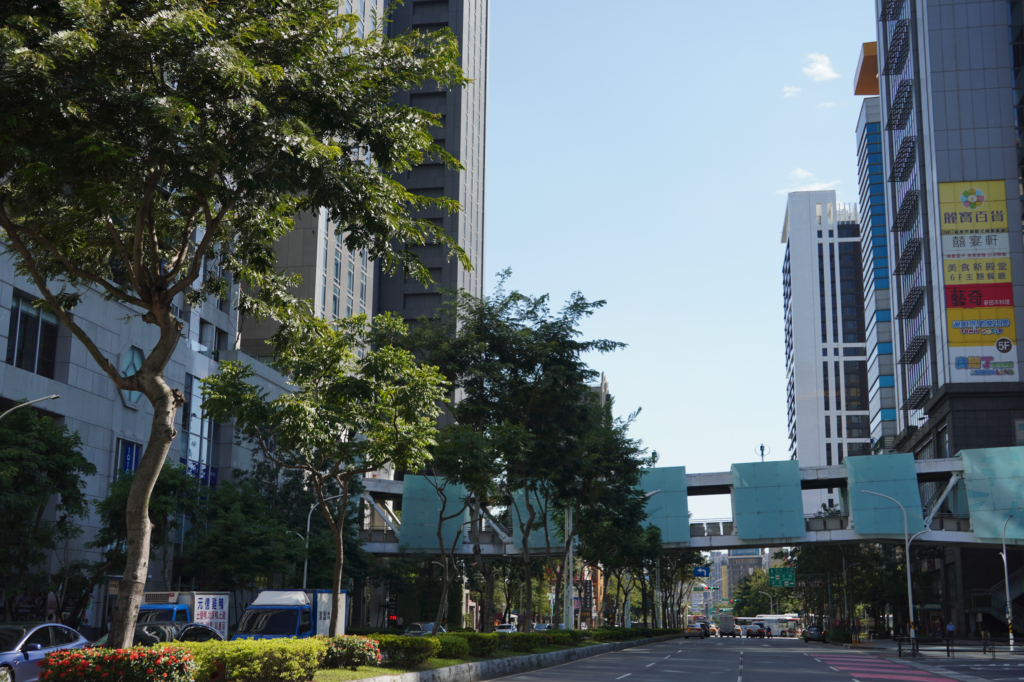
(979, 295)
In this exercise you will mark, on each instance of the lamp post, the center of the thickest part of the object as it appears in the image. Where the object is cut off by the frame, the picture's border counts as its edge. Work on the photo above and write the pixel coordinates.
(1006, 580)
(309, 517)
(908, 540)
(771, 608)
(30, 402)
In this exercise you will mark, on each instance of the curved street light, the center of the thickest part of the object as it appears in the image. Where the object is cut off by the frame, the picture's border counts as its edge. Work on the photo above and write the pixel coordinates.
(30, 402)
(908, 539)
(1006, 580)
(309, 517)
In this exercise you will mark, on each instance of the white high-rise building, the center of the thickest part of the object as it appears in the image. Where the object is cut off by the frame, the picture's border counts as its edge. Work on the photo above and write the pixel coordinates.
(826, 357)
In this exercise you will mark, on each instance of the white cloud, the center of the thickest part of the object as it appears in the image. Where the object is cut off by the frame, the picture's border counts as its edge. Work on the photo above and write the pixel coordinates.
(826, 105)
(820, 68)
(790, 91)
(812, 184)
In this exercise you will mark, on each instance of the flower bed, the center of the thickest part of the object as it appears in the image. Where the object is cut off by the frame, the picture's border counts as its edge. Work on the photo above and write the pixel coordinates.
(138, 664)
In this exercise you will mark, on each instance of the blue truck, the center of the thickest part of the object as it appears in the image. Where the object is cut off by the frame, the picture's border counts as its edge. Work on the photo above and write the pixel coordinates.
(208, 608)
(288, 613)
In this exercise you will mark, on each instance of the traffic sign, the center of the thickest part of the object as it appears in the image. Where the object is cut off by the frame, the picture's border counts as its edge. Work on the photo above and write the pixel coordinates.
(701, 572)
(782, 577)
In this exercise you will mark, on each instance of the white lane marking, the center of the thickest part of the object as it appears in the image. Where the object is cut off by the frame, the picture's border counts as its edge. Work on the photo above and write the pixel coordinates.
(668, 656)
(649, 665)
(624, 676)
(818, 660)
(836, 669)
(680, 651)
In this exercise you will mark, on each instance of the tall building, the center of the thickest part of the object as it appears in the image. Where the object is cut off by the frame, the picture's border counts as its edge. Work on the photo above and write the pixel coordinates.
(338, 282)
(875, 255)
(826, 352)
(741, 564)
(952, 125)
(463, 133)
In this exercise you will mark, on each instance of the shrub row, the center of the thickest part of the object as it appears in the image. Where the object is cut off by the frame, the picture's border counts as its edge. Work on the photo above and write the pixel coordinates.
(406, 652)
(455, 645)
(366, 632)
(257, 660)
(138, 664)
(609, 634)
(351, 652)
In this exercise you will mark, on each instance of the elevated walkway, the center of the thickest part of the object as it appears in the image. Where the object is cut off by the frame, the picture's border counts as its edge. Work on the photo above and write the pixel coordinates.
(767, 507)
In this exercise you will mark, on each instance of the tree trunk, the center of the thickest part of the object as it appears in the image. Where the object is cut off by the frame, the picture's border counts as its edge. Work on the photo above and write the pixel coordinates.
(337, 626)
(487, 598)
(165, 403)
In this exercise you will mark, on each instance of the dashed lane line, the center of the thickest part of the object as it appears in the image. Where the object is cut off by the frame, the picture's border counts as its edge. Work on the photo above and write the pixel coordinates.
(624, 676)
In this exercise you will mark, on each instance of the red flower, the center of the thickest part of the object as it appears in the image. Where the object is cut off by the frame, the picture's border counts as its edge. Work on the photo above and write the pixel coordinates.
(150, 671)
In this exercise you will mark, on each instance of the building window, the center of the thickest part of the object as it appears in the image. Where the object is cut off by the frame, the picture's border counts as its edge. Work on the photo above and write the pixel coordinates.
(32, 338)
(824, 378)
(858, 426)
(828, 454)
(131, 362)
(337, 265)
(348, 308)
(364, 256)
(337, 302)
(817, 212)
(362, 288)
(839, 447)
(839, 426)
(819, 234)
(828, 427)
(351, 278)
(128, 455)
(943, 444)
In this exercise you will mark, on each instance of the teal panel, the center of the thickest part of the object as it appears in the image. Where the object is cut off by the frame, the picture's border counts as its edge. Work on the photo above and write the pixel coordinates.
(421, 510)
(767, 501)
(894, 475)
(995, 481)
(538, 541)
(668, 509)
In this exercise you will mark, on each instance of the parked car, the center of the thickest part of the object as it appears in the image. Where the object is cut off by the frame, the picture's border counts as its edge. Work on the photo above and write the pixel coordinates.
(23, 646)
(506, 627)
(147, 634)
(421, 630)
(755, 630)
(693, 630)
(541, 627)
(814, 633)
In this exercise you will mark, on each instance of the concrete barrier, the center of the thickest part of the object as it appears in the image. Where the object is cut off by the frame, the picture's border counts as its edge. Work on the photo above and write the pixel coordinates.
(513, 665)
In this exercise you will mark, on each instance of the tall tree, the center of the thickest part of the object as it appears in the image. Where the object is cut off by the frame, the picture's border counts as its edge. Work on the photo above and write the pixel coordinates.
(149, 146)
(346, 415)
(41, 463)
(517, 364)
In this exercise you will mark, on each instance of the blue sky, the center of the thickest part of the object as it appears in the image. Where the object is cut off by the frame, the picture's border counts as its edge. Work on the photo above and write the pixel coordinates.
(644, 159)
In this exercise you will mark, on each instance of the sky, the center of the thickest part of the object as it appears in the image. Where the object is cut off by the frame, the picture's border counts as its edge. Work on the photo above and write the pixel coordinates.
(644, 160)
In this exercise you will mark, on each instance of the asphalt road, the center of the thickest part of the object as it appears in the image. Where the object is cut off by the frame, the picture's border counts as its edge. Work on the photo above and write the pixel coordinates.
(737, 660)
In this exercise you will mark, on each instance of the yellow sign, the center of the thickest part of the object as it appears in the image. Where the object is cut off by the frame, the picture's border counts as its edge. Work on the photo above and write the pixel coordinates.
(976, 270)
(972, 207)
(980, 326)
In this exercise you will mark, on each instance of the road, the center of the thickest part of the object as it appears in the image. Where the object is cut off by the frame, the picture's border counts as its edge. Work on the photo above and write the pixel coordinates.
(736, 660)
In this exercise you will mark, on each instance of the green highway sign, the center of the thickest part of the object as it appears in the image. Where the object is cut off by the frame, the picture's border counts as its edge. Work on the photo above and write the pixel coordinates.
(782, 577)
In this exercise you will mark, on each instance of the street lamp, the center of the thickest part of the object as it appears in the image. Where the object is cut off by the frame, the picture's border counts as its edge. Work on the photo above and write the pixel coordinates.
(1006, 580)
(771, 608)
(30, 402)
(908, 540)
(309, 517)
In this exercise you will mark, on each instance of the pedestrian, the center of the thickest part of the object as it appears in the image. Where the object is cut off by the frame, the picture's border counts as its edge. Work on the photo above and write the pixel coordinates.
(986, 642)
(950, 630)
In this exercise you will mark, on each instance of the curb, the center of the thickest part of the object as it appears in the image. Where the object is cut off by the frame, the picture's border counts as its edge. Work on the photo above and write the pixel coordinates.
(513, 665)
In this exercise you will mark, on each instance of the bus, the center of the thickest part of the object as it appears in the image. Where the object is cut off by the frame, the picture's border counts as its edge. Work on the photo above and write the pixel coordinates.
(780, 625)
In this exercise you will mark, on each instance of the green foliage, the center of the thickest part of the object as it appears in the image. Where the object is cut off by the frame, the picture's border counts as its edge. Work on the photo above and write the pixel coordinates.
(351, 652)
(523, 642)
(482, 645)
(452, 646)
(40, 461)
(257, 660)
(407, 652)
(367, 632)
(838, 636)
(138, 664)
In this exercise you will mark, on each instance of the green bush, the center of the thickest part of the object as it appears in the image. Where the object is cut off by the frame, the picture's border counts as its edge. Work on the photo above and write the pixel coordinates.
(257, 660)
(839, 637)
(481, 645)
(138, 664)
(366, 632)
(407, 652)
(562, 638)
(523, 642)
(351, 652)
(453, 646)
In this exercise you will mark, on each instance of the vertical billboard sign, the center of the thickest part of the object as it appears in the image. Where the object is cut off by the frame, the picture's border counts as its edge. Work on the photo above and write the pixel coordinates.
(978, 280)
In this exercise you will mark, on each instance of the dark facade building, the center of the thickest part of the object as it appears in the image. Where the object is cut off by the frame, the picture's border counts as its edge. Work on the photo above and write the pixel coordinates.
(463, 133)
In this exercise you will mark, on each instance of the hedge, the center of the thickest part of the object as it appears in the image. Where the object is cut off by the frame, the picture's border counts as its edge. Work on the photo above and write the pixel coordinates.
(351, 652)
(366, 632)
(407, 652)
(258, 660)
(453, 646)
(138, 664)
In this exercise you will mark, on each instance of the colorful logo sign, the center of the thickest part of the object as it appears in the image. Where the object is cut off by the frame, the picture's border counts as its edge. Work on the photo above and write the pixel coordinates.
(972, 198)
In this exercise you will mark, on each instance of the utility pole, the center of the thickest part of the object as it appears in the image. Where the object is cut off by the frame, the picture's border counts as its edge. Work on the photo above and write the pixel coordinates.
(567, 614)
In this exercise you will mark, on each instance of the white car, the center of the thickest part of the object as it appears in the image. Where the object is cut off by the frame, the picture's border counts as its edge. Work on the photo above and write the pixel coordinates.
(506, 627)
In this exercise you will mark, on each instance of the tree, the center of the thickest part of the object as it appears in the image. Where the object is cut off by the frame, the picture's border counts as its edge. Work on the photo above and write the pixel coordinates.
(41, 462)
(150, 145)
(518, 366)
(346, 416)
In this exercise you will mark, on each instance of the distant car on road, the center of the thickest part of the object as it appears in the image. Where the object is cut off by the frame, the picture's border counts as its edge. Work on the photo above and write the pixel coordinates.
(506, 627)
(694, 630)
(814, 633)
(755, 630)
(541, 627)
(712, 630)
(421, 630)
(156, 632)
(23, 646)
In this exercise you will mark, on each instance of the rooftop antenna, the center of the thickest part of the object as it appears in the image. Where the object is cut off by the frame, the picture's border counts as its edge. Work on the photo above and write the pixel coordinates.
(763, 453)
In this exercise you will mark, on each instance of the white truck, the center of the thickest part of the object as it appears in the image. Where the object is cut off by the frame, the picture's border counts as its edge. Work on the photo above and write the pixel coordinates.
(726, 627)
(206, 608)
(289, 613)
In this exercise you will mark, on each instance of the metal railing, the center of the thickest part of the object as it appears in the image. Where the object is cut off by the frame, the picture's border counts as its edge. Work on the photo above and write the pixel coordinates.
(944, 647)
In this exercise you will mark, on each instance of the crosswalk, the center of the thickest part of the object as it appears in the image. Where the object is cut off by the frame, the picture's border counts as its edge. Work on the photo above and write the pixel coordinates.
(863, 668)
